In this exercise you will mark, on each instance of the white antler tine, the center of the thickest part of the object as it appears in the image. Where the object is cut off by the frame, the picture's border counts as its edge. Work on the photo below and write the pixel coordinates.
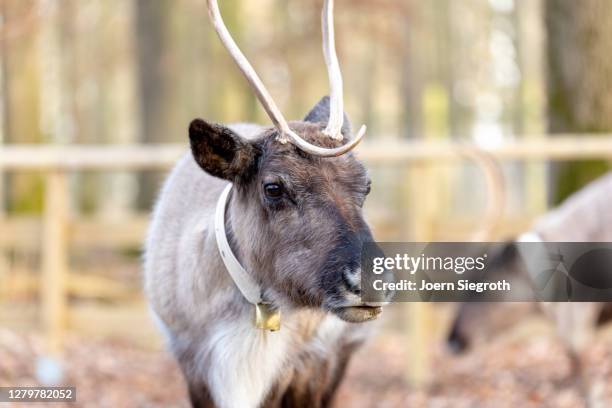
(334, 126)
(336, 102)
(326, 152)
(247, 69)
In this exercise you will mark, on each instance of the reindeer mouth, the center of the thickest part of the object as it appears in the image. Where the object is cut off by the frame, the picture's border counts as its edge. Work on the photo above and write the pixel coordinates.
(358, 314)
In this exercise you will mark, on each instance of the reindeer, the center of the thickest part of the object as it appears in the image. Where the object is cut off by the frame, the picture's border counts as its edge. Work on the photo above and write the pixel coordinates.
(256, 221)
(583, 217)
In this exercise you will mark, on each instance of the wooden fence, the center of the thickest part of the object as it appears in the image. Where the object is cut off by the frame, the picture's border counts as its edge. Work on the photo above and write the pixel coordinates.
(57, 232)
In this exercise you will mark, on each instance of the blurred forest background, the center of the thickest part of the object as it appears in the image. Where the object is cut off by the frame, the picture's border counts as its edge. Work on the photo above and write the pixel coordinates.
(132, 72)
(137, 71)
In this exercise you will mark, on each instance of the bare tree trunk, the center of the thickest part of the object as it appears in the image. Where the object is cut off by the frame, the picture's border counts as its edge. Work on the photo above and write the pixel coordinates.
(22, 98)
(531, 99)
(3, 122)
(152, 27)
(411, 77)
(579, 79)
(119, 190)
(4, 264)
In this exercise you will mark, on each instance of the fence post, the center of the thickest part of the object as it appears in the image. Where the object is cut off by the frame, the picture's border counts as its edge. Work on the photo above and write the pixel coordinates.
(4, 264)
(55, 260)
(420, 192)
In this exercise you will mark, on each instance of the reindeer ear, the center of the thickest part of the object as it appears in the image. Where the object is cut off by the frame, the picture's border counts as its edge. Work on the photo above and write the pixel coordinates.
(320, 114)
(221, 152)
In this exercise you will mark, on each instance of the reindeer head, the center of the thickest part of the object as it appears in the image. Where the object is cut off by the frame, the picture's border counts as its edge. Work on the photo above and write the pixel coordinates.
(295, 214)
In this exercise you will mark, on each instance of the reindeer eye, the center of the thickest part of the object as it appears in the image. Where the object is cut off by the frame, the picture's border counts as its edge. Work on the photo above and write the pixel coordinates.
(273, 190)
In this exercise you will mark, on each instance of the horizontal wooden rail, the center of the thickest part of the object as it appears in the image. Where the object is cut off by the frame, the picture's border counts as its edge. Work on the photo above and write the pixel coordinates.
(558, 148)
(23, 283)
(90, 157)
(83, 232)
(159, 157)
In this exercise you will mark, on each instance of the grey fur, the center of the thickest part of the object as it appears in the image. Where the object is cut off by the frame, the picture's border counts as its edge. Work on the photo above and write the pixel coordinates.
(297, 252)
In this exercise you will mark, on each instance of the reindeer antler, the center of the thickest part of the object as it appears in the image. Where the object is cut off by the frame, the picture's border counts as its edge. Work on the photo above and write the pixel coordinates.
(336, 117)
(336, 103)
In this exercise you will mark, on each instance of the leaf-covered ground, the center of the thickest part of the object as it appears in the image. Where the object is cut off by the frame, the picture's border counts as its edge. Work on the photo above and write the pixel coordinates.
(524, 371)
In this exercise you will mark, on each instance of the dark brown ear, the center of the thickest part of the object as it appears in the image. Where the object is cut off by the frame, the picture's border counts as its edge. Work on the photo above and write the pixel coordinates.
(221, 152)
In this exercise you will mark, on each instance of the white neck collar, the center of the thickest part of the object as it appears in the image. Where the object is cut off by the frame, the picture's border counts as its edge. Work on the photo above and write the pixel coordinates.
(266, 316)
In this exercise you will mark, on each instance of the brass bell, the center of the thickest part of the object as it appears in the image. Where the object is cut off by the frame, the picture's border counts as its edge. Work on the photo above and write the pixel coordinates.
(267, 317)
